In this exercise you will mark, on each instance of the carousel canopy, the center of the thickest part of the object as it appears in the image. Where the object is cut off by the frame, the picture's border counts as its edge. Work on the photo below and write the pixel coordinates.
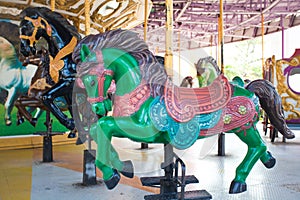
(195, 21)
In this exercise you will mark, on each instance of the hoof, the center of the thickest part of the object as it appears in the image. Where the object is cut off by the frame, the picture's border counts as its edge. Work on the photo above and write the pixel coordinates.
(271, 162)
(127, 169)
(33, 122)
(72, 135)
(8, 122)
(237, 187)
(20, 121)
(82, 137)
(113, 181)
(80, 140)
(70, 124)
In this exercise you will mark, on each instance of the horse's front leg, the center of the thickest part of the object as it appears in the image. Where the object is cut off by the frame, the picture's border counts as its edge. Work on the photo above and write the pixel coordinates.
(11, 98)
(32, 103)
(101, 132)
(68, 98)
(62, 88)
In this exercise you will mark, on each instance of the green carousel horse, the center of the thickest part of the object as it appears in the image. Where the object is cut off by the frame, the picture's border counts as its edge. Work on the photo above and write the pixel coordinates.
(149, 108)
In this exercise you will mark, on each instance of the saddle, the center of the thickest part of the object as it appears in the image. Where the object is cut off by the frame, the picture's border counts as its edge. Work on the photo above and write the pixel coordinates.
(183, 104)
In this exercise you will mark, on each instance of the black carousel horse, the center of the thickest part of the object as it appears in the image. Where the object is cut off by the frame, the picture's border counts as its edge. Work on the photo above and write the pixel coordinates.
(41, 83)
(61, 37)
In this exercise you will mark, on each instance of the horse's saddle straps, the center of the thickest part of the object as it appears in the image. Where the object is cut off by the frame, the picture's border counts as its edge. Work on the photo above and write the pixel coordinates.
(184, 103)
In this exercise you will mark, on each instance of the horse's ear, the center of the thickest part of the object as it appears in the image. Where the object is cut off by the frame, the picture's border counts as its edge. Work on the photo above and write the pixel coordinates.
(84, 52)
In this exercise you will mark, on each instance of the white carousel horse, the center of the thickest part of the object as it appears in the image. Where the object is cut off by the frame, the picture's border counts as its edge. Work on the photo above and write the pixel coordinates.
(14, 78)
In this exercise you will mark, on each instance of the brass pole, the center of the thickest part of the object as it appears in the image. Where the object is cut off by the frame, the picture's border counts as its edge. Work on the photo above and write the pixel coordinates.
(87, 32)
(221, 39)
(169, 38)
(179, 58)
(145, 20)
(262, 43)
(52, 5)
(145, 145)
(87, 17)
(221, 138)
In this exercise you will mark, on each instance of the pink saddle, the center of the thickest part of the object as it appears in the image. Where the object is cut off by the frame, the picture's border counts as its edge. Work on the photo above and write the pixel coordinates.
(184, 103)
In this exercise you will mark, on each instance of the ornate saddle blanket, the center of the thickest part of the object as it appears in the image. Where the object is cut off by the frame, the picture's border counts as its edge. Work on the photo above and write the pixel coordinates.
(184, 103)
(239, 113)
(181, 134)
(129, 103)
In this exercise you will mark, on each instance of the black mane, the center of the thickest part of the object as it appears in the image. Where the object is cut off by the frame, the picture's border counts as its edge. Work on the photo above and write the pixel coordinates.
(53, 18)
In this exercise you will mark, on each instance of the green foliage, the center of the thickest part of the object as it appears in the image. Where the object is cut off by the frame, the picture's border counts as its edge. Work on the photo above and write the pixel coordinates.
(243, 59)
(26, 128)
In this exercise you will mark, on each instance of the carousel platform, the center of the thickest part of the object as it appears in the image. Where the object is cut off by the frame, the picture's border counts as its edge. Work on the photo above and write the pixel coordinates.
(23, 175)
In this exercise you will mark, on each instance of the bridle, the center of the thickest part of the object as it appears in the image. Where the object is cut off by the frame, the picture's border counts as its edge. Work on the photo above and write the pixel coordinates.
(37, 23)
(56, 63)
(101, 79)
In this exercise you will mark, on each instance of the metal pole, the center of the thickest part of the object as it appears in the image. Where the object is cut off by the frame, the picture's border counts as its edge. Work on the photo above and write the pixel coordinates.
(169, 38)
(221, 37)
(262, 42)
(52, 5)
(145, 145)
(282, 37)
(89, 167)
(221, 139)
(47, 140)
(145, 20)
(87, 17)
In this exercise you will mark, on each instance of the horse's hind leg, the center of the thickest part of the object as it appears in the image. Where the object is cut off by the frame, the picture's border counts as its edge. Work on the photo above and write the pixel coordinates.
(256, 150)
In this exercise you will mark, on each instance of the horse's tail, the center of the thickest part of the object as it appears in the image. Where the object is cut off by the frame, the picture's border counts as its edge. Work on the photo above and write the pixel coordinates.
(270, 101)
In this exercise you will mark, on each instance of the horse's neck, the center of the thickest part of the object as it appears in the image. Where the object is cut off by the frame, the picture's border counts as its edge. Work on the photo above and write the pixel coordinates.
(126, 70)
(56, 42)
(10, 62)
(8, 56)
(28, 72)
(42, 71)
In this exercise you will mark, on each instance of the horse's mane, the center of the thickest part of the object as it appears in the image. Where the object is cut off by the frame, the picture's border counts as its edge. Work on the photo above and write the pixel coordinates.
(8, 52)
(199, 66)
(152, 71)
(10, 32)
(53, 18)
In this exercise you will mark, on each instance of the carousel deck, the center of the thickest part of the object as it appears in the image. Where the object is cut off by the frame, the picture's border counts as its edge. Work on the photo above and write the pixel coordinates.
(23, 175)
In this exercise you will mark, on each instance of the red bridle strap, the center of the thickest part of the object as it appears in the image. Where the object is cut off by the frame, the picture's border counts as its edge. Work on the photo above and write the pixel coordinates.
(101, 79)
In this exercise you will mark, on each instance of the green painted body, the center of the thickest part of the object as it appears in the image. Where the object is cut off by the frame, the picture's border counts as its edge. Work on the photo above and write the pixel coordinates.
(139, 127)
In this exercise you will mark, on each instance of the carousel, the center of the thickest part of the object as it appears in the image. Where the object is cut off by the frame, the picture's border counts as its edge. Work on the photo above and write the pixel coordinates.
(91, 81)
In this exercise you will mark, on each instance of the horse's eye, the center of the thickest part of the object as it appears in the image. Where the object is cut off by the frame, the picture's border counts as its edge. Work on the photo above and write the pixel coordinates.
(93, 83)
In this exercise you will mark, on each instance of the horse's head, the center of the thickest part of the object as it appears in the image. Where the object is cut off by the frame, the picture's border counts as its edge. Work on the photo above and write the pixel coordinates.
(187, 82)
(32, 27)
(95, 79)
(6, 48)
